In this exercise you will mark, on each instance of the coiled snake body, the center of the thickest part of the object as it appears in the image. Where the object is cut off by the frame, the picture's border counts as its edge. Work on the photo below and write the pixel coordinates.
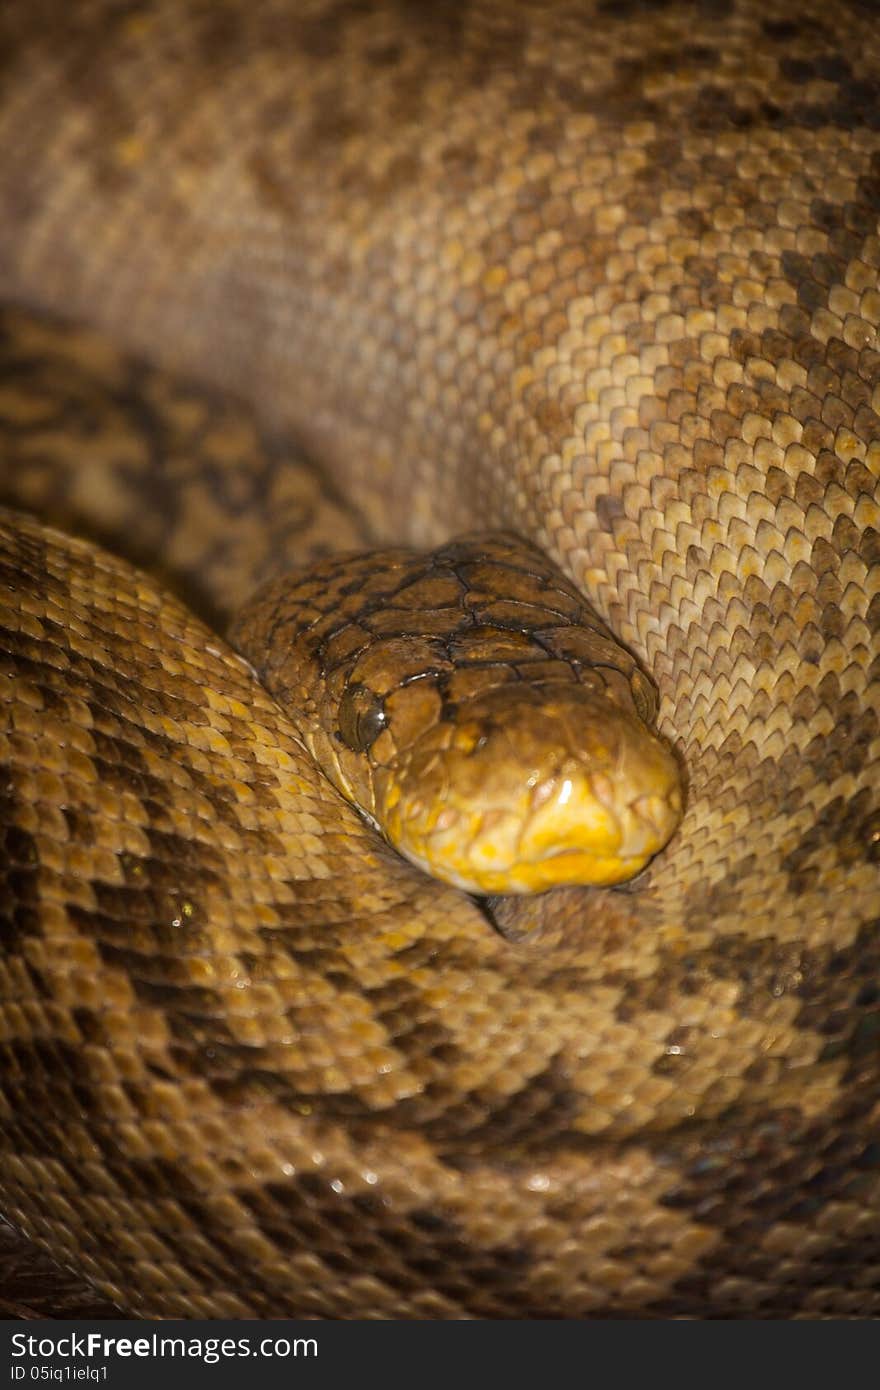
(602, 275)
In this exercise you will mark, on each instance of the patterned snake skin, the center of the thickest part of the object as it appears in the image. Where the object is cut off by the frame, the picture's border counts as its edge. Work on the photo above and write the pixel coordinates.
(603, 274)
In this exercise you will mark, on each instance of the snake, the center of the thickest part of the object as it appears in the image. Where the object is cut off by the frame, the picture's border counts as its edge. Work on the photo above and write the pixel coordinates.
(598, 283)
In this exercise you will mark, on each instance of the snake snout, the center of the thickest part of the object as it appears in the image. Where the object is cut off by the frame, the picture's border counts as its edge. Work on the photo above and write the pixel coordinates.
(566, 789)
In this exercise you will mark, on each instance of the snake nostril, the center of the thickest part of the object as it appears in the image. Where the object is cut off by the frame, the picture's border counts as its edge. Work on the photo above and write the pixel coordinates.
(542, 793)
(603, 790)
(655, 811)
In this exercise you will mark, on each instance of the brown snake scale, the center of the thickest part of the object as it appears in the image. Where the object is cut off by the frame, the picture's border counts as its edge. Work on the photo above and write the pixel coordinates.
(604, 275)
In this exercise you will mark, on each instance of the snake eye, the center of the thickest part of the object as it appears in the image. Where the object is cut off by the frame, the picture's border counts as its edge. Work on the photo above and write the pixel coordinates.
(361, 717)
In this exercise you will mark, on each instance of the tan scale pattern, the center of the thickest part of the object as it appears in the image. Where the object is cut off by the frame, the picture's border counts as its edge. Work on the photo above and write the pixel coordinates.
(603, 275)
(180, 477)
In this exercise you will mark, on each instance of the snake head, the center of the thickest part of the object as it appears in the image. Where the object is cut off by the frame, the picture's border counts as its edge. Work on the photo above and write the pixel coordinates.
(476, 709)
